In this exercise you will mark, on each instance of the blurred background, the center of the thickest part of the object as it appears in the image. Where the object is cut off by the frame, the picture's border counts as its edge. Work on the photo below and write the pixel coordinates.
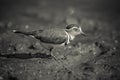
(56, 12)
(99, 19)
(11, 9)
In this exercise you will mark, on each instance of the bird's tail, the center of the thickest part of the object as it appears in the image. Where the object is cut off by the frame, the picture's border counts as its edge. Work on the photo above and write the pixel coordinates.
(27, 33)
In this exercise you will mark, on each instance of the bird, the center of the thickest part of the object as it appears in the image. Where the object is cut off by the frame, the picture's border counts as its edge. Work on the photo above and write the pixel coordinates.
(56, 35)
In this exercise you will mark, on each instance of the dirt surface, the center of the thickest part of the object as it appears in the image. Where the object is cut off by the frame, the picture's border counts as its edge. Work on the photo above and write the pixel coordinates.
(95, 57)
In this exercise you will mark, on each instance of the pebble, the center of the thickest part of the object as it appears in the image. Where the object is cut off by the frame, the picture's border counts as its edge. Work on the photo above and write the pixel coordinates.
(116, 41)
(57, 53)
(9, 49)
(37, 44)
(103, 41)
(114, 48)
(1, 78)
(26, 26)
(48, 72)
(34, 73)
(40, 74)
(20, 72)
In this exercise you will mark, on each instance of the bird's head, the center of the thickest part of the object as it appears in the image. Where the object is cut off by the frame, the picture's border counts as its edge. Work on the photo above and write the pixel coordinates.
(74, 29)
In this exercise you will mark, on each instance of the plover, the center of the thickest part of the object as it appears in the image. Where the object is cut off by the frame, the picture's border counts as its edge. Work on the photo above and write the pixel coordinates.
(56, 36)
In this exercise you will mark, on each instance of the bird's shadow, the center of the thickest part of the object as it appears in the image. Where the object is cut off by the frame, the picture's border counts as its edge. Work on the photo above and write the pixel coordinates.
(27, 56)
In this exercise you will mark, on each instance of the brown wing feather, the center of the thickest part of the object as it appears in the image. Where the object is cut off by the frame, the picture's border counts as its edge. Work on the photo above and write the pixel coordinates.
(52, 36)
(55, 36)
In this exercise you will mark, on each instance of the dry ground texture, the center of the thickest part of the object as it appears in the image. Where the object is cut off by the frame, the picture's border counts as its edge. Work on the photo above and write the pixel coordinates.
(95, 57)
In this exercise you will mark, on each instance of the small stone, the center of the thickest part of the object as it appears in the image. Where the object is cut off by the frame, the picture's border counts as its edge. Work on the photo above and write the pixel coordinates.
(57, 53)
(48, 72)
(20, 72)
(37, 45)
(11, 68)
(40, 72)
(34, 73)
(21, 47)
(40, 75)
(103, 41)
(61, 56)
(9, 49)
(1, 78)
(116, 41)
(26, 26)
(14, 52)
(114, 48)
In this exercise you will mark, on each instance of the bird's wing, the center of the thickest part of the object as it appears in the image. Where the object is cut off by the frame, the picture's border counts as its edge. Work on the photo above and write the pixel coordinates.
(53, 36)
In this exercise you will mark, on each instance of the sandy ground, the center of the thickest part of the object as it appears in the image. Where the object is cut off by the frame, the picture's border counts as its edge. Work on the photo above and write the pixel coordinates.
(95, 57)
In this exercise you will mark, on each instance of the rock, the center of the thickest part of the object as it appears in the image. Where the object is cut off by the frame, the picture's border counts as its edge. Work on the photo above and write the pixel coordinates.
(1, 78)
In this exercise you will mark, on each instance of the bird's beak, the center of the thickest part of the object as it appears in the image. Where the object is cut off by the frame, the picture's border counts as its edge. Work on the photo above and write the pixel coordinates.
(81, 32)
